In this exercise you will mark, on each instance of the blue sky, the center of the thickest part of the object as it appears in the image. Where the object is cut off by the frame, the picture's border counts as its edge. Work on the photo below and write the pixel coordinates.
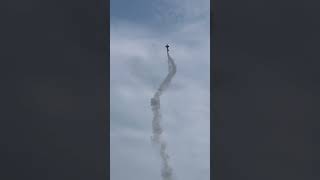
(137, 10)
(139, 31)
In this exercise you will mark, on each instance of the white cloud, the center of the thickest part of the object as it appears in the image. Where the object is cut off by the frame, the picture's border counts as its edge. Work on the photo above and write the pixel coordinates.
(138, 65)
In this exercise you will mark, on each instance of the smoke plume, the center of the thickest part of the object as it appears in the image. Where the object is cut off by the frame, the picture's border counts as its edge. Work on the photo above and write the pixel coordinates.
(166, 171)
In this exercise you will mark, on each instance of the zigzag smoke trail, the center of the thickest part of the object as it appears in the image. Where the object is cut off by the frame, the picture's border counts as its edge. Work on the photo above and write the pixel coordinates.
(166, 171)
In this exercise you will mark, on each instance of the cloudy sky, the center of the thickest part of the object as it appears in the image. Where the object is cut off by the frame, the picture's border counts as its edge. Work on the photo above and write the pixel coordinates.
(139, 31)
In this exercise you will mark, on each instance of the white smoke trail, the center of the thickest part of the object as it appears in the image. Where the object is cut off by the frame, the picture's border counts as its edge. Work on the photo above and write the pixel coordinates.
(166, 171)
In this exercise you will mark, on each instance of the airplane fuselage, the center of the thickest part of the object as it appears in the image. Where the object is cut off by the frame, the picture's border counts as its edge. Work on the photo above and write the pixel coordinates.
(167, 46)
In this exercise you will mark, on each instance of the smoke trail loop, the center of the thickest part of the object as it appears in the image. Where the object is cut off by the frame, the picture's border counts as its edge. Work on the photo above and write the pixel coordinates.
(166, 171)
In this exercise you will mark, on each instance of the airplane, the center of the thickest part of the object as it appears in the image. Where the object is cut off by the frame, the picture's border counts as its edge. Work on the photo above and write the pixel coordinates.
(167, 46)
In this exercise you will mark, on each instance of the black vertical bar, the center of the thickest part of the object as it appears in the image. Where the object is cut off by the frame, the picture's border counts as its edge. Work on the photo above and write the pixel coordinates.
(54, 92)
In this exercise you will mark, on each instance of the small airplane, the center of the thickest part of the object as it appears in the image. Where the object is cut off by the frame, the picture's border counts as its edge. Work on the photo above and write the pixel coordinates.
(167, 46)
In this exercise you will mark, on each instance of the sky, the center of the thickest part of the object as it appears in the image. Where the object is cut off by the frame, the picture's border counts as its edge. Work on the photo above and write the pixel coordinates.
(139, 31)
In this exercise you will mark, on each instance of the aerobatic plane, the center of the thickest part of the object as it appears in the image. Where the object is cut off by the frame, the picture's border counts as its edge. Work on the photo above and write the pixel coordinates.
(167, 46)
